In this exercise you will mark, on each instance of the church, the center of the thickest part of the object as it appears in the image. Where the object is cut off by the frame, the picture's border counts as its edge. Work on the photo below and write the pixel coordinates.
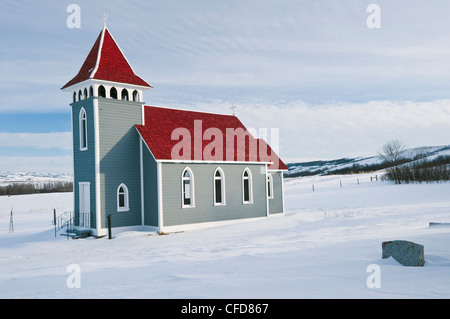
(156, 168)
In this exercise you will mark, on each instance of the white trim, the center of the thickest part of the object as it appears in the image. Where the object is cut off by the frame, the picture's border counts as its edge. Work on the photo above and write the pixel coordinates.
(81, 200)
(126, 198)
(141, 164)
(100, 231)
(267, 197)
(222, 187)
(282, 192)
(146, 145)
(250, 186)
(83, 131)
(142, 116)
(196, 226)
(160, 197)
(181, 161)
(191, 188)
(99, 54)
(105, 28)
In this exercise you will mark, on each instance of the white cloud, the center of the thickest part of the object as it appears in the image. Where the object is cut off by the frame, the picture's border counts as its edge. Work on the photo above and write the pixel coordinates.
(329, 131)
(60, 140)
(57, 164)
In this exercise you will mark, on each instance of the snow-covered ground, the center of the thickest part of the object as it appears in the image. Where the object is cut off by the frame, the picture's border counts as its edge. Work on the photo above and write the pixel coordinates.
(325, 247)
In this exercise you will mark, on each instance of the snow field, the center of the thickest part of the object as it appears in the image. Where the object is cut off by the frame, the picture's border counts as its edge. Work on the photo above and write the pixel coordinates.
(321, 249)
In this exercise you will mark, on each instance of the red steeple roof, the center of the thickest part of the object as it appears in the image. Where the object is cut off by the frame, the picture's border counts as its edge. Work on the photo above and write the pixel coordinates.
(106, 62)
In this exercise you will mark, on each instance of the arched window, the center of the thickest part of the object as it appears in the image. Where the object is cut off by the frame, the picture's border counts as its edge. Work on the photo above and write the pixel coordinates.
(83, 130)
(122, 198)
(219, 187)
(85, 94)
(79, 95)
(101, 91)
(187, 185)
(270, 186)
(74, 97)
(135, 96)
(247, 191)
(125, 94)
(113, 93)
(91, 91)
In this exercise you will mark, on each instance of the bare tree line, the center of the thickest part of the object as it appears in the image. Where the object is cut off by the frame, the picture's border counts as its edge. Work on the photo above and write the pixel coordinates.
(35, 188)
(415, 170)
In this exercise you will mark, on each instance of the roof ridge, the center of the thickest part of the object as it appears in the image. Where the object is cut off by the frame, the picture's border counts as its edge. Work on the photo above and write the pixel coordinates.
(99, 53)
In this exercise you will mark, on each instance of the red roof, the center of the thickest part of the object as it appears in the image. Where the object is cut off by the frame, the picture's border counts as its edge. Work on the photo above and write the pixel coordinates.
(106, 62)
(173, 134)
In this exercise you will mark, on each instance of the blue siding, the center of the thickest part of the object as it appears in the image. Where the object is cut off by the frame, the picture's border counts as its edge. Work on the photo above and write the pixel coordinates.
(150, 188)
(204, 210)
(84, 161)
(276, 203)
(119, 160)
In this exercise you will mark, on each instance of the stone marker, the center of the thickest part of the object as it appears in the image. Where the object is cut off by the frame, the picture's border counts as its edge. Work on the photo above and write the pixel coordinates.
(405, 252)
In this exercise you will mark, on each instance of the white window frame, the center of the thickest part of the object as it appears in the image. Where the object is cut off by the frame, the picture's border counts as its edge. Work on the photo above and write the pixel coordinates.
(83, 130)
(222, 187)
(126, 202)
(191, 189)
(250, 186)
(270, 186)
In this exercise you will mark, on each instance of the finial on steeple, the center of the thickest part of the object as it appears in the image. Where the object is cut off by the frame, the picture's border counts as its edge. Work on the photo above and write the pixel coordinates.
(105, 17)
(233, 107)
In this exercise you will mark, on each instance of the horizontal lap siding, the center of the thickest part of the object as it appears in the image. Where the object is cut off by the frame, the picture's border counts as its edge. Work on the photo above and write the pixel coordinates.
(150, 188)
(84, 161)
(119, 160)
(276, 203)
(204, 210)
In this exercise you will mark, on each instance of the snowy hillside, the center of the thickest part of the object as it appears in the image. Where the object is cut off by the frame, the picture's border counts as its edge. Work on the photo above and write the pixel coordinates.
(325, 247)
(33, 177)
(373, 163)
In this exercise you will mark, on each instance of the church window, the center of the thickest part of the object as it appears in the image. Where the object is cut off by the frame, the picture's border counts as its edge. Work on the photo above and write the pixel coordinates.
(125, 94)
(83, 129)
(113, 93)
(135, 96)
(122, 198)
(270, 186)
(187, 185)
(101, 91)
(219, 187)
(247, 191)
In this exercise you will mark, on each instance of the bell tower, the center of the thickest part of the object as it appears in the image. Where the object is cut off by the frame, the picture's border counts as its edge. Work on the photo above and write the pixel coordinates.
(107, 103)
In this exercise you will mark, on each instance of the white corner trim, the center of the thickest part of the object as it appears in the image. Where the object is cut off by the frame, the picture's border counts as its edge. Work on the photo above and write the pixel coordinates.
(282, 192)
(100, 231)
(267, 193)
(141, 159)
(99, 54)
(160, 198)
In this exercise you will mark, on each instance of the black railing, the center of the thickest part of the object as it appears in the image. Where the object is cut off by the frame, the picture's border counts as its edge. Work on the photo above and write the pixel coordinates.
(69, 220)
(65, 220)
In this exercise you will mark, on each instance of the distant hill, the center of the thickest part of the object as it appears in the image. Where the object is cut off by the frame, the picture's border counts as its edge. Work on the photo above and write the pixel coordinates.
(362, 164)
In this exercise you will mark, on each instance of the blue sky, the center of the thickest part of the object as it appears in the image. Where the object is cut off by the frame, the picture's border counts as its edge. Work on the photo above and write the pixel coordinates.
(312, 69)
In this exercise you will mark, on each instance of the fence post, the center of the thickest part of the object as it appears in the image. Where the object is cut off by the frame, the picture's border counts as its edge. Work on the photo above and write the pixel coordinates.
(109, 226)
(54, 219)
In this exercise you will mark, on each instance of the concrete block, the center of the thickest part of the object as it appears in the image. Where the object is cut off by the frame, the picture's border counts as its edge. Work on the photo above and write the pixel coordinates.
(405, 252)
